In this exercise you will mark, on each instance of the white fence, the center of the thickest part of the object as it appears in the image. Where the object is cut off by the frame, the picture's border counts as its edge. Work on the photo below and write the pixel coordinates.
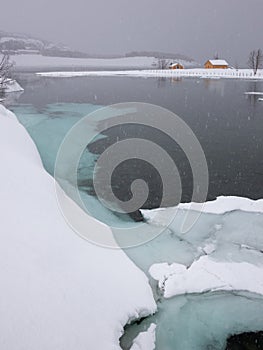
(207, 73)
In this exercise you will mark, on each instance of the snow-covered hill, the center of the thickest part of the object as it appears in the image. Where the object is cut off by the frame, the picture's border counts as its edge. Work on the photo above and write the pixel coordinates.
(15, 43)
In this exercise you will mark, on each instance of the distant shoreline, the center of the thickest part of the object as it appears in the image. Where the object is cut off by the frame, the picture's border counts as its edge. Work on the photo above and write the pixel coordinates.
(245, 74)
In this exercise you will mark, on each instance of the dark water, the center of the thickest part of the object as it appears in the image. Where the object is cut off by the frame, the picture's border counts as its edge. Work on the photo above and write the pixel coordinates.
(245, 341)
(227, 123)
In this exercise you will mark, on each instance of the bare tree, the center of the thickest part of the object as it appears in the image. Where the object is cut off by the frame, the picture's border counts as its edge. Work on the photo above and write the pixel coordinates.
(5, 68)
(162, 63)
(236, 65)
(255, 60)
(216, 56)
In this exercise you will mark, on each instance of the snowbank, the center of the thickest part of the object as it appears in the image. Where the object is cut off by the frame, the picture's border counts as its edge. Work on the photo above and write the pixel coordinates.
(253, 93)
(226, 249)
(145, 340)
(220, 205)
(57, 290)
(207, 274)
(11, 85)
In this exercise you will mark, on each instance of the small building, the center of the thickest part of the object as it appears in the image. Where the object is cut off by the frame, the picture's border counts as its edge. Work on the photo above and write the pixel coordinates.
(216, 64)
(176, 65)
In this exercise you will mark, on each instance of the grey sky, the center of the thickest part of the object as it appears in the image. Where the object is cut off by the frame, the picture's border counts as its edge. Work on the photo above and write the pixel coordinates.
(196, 28)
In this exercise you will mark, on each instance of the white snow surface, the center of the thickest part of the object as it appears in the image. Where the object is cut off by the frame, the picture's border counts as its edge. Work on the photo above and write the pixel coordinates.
(221, 205)
(230, 248)
(253, 93)
(24, 61)
(145, 340)
(207, 274)
(215, 73)
(219, 62)
(58, 291)
(11, 85)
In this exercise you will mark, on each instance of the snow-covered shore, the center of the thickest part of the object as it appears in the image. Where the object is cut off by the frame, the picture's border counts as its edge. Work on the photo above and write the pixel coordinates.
(172, 73)
(11, 85)
(206, 275)
(220, 205)
(228, 247)
(57, 290)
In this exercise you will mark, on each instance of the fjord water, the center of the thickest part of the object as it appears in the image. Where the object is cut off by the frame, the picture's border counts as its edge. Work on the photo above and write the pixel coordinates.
(229, 126)
(227, 123)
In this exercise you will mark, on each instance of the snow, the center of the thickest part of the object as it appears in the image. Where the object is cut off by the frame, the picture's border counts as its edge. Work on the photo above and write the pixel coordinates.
(218, 62)
(220, 205)
(207, 274)
(11, 85)
(209, 279)
(253, 93)
(145, 340)
(41, 62)
(174, 64)
(26, 41)
(193, 72)
(57, 290)
(221, 252)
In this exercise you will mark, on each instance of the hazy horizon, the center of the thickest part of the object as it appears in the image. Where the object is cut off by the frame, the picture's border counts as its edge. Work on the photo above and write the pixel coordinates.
(230, 28)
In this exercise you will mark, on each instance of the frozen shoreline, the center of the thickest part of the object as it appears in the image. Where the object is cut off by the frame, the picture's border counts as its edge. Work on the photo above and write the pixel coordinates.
(57, 274)
(11, 85)
(207, 275)
(58, 291)
(176, 73)
(220, 205)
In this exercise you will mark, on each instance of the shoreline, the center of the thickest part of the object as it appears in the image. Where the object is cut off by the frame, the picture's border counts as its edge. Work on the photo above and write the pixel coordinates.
(244, 74)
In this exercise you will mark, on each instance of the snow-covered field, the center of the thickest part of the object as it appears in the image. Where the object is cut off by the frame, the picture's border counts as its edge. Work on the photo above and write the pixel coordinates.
(194, 72)
(44, 62)
(57, 290)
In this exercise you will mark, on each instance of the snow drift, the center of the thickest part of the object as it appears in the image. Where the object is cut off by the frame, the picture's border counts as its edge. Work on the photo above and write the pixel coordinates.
(57, 290)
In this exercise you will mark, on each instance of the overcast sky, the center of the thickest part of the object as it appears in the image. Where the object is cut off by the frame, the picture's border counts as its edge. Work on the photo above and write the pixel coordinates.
(197, 28)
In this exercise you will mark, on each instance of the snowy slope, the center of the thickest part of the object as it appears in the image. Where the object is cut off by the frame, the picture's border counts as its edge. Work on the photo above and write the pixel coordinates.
(44, 62)
(57, 290)
(17, 43)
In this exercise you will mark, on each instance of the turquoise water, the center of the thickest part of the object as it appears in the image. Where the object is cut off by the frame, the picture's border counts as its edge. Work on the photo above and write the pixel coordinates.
(205, 320)
(201, 322)
(49, 125)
